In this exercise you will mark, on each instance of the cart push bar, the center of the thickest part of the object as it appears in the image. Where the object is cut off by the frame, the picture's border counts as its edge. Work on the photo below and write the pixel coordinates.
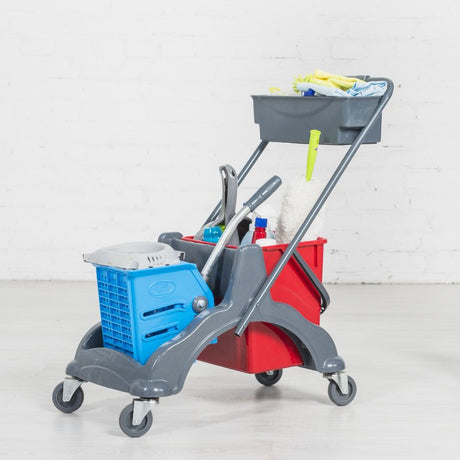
(292, 247)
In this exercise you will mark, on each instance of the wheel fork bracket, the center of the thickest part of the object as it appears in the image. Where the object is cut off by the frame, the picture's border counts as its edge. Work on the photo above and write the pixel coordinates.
(341, 379)
(141, 407)
(70, 386)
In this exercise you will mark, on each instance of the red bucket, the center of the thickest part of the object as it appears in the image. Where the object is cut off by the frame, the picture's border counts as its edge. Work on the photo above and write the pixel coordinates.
(263, 346)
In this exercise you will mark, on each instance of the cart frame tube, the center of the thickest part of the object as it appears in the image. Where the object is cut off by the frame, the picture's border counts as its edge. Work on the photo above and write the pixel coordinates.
(245, 320)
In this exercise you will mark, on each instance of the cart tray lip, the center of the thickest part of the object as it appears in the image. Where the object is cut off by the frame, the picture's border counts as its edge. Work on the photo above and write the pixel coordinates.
(309, 98)
(319, 240)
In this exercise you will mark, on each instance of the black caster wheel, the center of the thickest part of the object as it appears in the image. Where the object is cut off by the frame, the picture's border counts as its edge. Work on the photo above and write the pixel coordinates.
(270, 377)
(67, 406)
(337, 397)
(126, 423)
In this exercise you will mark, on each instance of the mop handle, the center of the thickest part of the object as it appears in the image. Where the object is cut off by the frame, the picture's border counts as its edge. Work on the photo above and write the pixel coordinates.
(256, 200)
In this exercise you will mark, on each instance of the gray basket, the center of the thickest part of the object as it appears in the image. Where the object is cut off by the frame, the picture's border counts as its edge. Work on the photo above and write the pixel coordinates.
(135, 256)
(290, 118)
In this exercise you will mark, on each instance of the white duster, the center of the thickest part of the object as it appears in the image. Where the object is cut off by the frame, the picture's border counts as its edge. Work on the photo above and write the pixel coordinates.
(298, 199)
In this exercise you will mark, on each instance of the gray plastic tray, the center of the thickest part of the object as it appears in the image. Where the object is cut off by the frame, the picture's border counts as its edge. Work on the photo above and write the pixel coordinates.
(290, 118)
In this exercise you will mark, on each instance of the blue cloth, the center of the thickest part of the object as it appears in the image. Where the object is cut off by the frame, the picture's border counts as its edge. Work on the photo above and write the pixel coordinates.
(321, 89)
(370, 88)
(359, 89)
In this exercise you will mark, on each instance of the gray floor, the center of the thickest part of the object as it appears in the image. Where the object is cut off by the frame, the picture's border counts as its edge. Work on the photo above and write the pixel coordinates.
(400, 343)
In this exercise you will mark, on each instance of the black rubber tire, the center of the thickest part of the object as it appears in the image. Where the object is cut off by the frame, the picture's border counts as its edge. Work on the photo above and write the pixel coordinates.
(126, 423)
(337, 397)
(269, 378)
(71, 406)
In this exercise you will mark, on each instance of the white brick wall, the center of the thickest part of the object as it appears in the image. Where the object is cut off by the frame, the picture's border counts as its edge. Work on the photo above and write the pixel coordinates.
(115, 115)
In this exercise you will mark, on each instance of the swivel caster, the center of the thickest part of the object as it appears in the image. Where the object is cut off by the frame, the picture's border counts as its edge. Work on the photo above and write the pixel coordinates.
(342, 388)
(68, 395)
(136, 418)
(269, 378)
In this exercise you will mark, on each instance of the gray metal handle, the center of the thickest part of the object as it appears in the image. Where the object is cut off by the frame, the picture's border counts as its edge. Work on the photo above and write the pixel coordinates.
(227, 205)
(230, 191)
(257, 199)
(263, 193)
(223, 240)
(325, 299)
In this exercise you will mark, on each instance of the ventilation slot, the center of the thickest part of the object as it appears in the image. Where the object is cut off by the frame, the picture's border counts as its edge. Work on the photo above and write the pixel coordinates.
(167, 330)
(149, 313)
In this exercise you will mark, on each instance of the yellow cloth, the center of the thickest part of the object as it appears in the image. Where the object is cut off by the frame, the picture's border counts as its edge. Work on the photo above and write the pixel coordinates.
(320, 77)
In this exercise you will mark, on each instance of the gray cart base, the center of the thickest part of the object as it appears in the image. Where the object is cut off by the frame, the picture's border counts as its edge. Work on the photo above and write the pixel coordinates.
(165, 372)
(237, 277)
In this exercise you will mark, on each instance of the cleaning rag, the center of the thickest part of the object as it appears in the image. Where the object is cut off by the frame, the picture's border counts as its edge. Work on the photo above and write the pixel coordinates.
(359, 89)
(370, 88)
(320, 77)
(322, 90)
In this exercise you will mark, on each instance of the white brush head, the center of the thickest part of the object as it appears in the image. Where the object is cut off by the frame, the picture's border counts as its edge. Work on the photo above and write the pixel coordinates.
(298, 199)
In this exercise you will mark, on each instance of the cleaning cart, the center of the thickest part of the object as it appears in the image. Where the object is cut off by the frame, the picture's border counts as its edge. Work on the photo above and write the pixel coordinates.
(248, 308)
